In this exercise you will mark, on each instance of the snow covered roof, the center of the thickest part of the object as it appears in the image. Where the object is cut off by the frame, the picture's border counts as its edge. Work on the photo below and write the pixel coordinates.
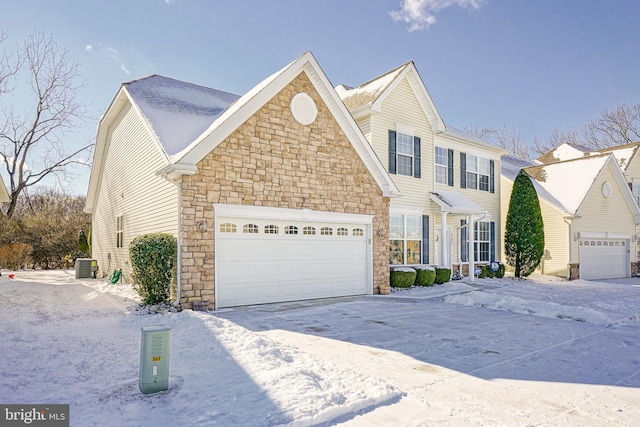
(622, 153)
(368, 93)
(564, 152)
(510, 166)
(451, 201)
(566, 184)
(176, 111)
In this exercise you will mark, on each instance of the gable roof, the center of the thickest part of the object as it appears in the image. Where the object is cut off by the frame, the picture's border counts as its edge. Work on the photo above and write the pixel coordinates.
(566, 184)
(176, 111)
(204, 117)
(623, 153)
(4, 193)
(564, 151)
(370, 96)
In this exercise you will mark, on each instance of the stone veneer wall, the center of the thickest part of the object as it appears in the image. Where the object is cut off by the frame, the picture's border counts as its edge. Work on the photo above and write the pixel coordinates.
(272, 160)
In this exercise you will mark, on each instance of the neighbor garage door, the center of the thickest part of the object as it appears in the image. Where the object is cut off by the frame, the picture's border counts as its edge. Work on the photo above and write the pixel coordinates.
(266, 255)
(604, 258)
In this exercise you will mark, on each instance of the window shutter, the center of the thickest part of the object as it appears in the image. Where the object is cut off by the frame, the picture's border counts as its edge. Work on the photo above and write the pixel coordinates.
(492, 247)
(492, 185)
(450, 168)
(463, 170)
(464, 245)
(392, 151)
(416, 157)
(425, 239)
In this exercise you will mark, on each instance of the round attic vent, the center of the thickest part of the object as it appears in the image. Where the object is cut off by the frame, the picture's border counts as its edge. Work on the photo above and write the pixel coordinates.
(303, 108)
(606, 189)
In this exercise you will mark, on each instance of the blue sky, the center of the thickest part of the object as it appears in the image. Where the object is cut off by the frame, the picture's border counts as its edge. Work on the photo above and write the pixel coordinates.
(536, 65)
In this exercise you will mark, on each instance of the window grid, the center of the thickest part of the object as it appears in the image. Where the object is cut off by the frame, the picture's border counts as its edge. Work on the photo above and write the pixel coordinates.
(227, 227)
(291, 229)
(326, 231)
(442, 165)
(358, 232)
(405, 244)
(343, 231)
(310, 231)
(250, 229)
(271, 229)
(404, 149)
(119, 231)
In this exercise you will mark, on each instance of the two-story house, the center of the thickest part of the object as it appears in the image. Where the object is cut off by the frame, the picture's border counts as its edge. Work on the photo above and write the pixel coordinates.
(449, 180)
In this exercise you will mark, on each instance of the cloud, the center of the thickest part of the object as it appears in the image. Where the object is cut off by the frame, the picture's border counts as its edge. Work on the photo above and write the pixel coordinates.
(88, 48)
(114, 54)
(421, 14)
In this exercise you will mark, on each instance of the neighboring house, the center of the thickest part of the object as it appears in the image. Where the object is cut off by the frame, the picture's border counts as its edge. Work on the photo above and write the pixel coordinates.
(449, 180)
(4, 194)
(274, 196)
(589, 213)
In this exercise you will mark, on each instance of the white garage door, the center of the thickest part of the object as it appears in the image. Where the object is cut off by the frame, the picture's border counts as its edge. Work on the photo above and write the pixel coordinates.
(604, 258)
(274, 255)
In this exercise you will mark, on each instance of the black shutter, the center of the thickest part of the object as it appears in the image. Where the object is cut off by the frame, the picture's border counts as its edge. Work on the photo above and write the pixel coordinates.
(416, 157)
(425, 239)
(492, 186)
(492, 247)
(392, 151)
(463, 170)
(464, 245)
(450, 167)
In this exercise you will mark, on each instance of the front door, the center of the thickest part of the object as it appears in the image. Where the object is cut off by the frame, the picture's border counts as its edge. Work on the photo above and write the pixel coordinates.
(438, 246)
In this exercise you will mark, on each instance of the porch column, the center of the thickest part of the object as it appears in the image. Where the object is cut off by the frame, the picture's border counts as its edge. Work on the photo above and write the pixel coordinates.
(444, 247)
(470, 253)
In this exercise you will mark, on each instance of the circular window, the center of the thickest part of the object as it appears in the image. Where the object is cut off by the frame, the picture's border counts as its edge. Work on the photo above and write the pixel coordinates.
(303, 108)
(606, 189)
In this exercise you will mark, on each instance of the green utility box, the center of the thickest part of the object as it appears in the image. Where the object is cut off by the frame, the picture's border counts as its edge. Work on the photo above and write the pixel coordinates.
(154, 359)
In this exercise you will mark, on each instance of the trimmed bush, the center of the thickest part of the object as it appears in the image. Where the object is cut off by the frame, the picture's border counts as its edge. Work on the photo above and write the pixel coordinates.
(153, 259)
(403, 277)
(490, 272)
(483, 271)
(501, 270)
(425, 275)
(443, 275)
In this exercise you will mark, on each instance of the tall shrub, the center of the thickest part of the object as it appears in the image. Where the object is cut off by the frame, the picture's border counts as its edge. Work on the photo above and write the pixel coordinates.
(524, 234)
(153, 259)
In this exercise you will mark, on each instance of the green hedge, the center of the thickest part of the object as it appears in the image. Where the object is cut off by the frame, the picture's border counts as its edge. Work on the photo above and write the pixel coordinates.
(484, 269)
(425, 275)
(501, 270)
(153, 259)
(443, 275)
(403, 277)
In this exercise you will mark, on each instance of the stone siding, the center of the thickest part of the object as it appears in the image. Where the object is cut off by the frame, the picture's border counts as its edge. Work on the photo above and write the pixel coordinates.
(272, 160)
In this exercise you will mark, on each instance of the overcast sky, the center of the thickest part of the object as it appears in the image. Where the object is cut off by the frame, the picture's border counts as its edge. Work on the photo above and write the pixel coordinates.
(536, 65)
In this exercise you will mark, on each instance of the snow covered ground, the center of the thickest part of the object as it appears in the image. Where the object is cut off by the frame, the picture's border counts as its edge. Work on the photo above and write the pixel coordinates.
(506, 352)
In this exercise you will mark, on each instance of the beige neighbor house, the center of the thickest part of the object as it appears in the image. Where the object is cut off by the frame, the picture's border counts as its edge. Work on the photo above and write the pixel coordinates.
(589, 213)
(449, 180)
(274, 196)
(4, 194)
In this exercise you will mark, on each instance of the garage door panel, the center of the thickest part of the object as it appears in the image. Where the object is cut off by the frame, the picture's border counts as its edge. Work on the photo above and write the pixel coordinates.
(257, 268)
(604, 258)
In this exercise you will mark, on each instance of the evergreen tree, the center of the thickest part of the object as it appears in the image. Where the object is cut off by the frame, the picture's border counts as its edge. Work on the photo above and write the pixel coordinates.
(83, 245)
(524, 234)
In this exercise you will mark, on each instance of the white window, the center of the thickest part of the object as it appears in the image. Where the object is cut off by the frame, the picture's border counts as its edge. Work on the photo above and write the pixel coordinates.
(482, 241)
(478, 172)
(326, 231)
(359, 232)
(405, 239)
(291, 229)
(309, 230)
(442, 165)
(635, 188)
(250, 229)
(271, 229)
(404, 149)
(119, 231)
(227, 227)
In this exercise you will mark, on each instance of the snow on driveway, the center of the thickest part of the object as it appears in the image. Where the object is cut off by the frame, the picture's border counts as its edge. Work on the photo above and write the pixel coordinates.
(498, 352)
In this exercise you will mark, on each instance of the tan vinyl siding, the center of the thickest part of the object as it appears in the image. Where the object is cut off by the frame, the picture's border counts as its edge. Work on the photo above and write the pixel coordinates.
(365, 126)
(633, 170)
(130, 188)
(601, 214)
(401, 107)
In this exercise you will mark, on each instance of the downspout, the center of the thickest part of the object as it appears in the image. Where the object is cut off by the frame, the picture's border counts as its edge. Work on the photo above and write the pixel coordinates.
(178, 184)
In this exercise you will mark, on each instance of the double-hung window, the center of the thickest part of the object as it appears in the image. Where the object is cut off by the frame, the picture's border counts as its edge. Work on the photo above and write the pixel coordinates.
(405, 232)
(442, 165)
(404, 154)
(478, 173)
(483, 241)
(635, 188)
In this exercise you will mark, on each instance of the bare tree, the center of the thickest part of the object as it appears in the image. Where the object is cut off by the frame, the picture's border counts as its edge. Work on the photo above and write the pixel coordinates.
(507, 138)
(32, 142)
(616, 127)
